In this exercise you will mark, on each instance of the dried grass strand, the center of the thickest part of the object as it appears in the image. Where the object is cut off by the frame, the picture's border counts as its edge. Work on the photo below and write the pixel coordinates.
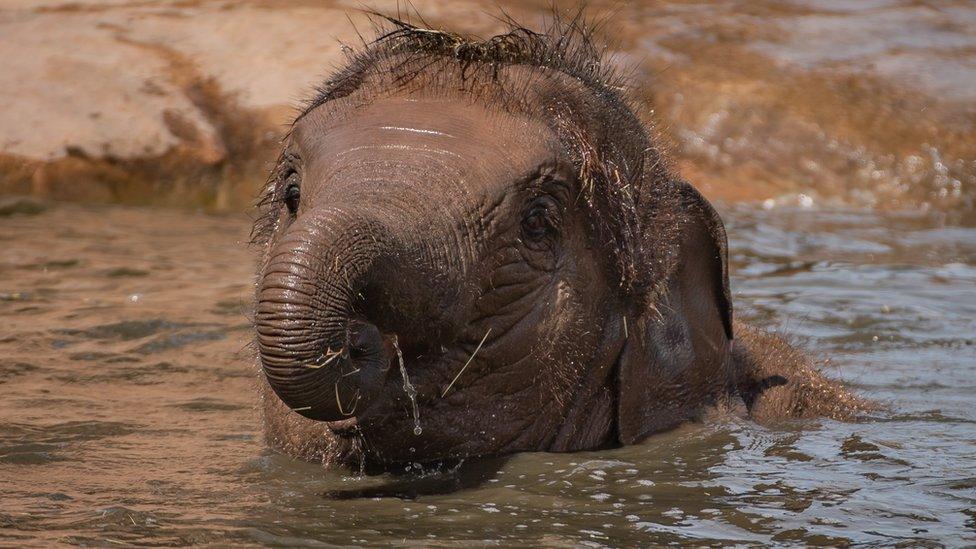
(471, 358)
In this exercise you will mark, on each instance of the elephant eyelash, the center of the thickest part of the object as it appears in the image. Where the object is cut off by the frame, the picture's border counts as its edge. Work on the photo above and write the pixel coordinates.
(267, 208)
(546, 210)
(271, 200)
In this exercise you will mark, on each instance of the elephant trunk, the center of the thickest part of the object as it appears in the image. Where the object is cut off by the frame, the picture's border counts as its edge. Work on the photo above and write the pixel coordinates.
(322, 360)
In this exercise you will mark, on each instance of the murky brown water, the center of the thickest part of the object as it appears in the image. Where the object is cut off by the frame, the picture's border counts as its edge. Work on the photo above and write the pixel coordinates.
(127, 401)
(128, 410)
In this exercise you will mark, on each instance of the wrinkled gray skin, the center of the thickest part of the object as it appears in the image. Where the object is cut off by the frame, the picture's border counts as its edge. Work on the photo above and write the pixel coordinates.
(441, 225)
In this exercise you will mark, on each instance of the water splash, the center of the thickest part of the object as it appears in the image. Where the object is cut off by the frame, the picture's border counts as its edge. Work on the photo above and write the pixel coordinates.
(409, 389)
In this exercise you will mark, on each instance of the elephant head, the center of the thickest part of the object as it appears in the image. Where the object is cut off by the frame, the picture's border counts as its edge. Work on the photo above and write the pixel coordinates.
(475, 248)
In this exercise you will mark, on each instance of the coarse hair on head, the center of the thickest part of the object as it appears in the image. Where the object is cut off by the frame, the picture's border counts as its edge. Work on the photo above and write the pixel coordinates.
(403, 51)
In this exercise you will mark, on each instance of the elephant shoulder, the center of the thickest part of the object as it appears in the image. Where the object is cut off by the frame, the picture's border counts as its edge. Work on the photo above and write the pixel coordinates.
(777, 381)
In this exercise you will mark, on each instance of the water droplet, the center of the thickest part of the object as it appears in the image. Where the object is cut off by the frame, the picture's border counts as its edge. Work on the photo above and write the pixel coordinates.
(408, 389)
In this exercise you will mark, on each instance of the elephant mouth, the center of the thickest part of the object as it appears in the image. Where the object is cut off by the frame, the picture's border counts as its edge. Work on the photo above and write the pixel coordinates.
(344, 427)
(365, 363)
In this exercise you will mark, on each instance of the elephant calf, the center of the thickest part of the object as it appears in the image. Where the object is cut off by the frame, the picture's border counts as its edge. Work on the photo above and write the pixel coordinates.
(475, 248)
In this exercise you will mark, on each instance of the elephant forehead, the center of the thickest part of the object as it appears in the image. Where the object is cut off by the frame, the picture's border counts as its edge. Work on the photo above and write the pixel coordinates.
(429, 135)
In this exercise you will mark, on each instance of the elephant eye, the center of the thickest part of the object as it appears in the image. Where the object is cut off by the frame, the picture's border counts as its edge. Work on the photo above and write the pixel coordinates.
(539, 219)
(293, 192)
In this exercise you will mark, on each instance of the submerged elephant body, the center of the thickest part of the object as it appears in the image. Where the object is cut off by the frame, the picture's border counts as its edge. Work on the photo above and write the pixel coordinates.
(475, 248)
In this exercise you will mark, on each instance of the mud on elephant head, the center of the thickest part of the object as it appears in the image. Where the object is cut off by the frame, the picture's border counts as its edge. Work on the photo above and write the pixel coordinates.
(476, 248)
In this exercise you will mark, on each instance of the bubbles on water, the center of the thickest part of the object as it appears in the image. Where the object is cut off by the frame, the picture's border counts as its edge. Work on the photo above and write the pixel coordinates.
(800, 200)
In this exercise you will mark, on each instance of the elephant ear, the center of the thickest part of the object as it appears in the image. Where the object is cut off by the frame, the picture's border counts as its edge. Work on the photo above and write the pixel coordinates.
(677, 354)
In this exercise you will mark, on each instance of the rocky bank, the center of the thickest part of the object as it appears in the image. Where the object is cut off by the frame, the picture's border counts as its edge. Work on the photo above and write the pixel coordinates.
(182, 102)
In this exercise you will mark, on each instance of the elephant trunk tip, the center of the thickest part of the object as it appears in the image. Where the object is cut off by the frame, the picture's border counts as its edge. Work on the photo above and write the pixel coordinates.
(337, 380)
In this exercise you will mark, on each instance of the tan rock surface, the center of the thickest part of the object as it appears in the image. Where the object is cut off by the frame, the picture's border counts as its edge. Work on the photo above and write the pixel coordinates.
(183, 101)
(114, 100)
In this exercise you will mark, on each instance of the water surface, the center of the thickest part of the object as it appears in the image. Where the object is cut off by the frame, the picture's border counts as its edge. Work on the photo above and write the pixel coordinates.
(840, 140)
(129, 412)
